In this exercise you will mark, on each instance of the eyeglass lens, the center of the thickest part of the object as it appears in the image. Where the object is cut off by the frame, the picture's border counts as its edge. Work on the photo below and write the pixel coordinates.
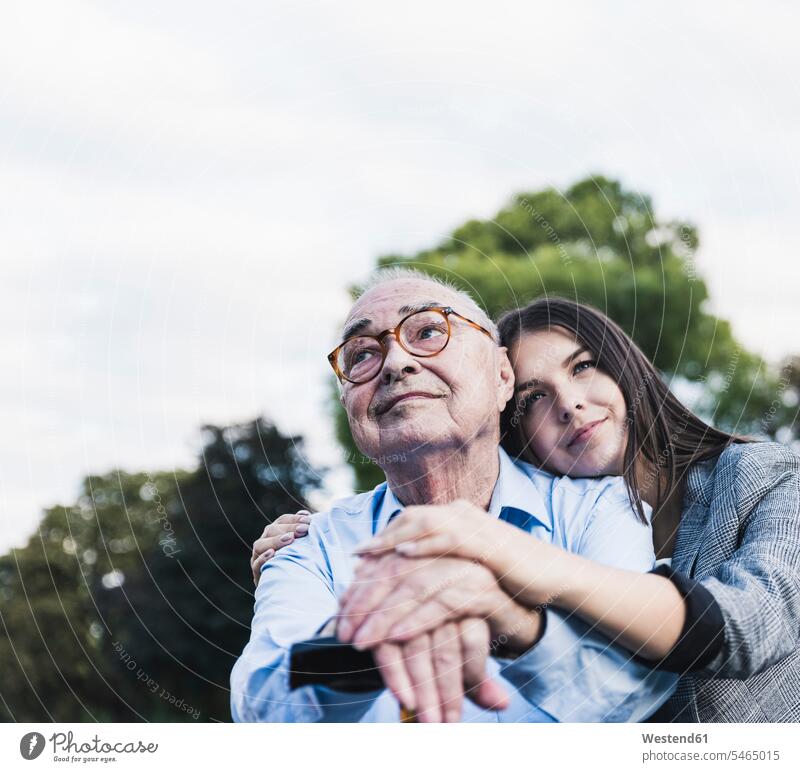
(424, 334)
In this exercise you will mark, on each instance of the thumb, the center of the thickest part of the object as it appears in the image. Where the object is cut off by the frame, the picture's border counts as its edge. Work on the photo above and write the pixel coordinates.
(489, 694)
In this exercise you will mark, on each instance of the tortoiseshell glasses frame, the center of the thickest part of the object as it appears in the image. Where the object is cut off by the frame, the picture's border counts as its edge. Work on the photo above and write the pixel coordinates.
(423, 347)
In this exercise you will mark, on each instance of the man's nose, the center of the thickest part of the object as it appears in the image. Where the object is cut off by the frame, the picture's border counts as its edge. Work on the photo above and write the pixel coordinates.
(398, 363)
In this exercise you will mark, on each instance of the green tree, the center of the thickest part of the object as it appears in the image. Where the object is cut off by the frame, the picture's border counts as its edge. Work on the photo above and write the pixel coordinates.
(600, 243)
(195, 603)
(57, 604)
(134, 602)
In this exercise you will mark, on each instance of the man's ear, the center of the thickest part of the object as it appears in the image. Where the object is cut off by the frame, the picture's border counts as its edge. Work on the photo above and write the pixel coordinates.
(505, 378)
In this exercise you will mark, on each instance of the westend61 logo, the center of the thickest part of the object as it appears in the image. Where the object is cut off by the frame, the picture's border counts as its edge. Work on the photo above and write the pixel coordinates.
(33, 743)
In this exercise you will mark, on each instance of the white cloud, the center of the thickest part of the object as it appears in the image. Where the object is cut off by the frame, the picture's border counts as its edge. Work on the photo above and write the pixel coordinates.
(179, 179)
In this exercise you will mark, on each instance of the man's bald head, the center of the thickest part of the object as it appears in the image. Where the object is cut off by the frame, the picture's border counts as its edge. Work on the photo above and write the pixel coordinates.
(464, 302)
(421, 403)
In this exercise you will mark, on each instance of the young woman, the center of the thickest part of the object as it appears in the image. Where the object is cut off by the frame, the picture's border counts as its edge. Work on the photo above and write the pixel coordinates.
(726, 515)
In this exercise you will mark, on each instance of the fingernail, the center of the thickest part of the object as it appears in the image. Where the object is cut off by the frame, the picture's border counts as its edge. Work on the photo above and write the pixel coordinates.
(343, 631)
(305, 519)
(406, 548)
(269, 553)
(303, 512)
(287, 537)
(301, 529)
(372, 544)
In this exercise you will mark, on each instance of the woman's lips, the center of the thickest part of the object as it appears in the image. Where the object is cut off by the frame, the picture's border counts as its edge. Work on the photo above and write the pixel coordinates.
(585, 432)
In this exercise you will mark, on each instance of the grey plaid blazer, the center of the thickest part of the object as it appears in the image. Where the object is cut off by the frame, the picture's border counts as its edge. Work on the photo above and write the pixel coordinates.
(740, 537)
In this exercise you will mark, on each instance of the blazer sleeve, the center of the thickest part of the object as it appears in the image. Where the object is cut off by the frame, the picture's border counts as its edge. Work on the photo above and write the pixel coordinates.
(758, 587)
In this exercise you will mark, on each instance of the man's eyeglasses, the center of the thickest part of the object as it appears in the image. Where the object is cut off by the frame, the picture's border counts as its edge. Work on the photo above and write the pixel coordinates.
(422, 334)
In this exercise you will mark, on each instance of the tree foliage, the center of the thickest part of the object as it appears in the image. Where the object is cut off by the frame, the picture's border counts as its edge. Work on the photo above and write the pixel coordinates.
(133, 602)
(600, 243)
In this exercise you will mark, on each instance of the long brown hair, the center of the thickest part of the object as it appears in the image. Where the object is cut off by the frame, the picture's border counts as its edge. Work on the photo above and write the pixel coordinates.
(662, 431)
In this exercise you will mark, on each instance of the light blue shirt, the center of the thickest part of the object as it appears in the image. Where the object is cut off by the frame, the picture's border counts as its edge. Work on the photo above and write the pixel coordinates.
(572, 674)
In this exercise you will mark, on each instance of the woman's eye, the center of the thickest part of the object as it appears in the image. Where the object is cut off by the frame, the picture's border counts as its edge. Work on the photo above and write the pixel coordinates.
(585, 365)
(528, 400)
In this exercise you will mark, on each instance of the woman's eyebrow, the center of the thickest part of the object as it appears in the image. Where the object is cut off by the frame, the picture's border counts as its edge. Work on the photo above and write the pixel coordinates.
(574, 354)
(532, 383)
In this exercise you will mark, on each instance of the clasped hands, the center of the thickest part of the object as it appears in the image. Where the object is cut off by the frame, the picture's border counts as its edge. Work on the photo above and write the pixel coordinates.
(426, 603)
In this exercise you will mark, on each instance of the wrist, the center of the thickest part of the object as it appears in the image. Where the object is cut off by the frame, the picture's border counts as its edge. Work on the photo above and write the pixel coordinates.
(519, 638)
(496, 547)
(542, 574)
(512, 626)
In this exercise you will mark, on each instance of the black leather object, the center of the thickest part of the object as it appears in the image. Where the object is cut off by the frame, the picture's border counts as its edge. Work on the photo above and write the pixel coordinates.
(326, 662)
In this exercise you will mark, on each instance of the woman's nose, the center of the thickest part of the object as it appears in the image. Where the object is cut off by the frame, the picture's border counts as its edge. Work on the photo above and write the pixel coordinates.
(567, 406)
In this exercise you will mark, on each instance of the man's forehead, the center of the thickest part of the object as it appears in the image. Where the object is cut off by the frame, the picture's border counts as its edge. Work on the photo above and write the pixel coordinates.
(398, 298)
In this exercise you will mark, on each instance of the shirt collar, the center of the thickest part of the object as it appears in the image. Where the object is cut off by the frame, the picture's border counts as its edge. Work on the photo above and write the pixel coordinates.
(513, 490)
(390, 505)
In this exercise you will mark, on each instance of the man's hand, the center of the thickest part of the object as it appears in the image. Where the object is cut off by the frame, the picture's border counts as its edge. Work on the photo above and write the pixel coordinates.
(388, 588)
(431, 673)
(394, 598)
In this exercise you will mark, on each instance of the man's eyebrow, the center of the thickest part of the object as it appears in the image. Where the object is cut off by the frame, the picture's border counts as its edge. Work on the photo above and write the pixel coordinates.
(355, 327)
(358, 325)
(532, 383)
(420, 307)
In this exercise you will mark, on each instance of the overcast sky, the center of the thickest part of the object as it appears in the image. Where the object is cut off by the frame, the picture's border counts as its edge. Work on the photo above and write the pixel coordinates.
(188, 189)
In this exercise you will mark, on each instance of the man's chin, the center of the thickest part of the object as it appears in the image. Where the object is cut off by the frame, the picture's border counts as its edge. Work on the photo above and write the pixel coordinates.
(417, 422)
(407, 409)
(410, 438)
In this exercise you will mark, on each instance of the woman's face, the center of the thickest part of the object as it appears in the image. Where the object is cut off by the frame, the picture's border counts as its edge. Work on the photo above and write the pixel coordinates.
(571, 414)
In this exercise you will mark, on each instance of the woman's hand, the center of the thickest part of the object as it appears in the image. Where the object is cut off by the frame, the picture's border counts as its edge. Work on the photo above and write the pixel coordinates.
(459, 530)
(530, 571)
(281, 532)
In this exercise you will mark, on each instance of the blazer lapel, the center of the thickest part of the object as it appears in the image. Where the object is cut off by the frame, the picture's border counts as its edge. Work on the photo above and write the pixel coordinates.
(695, 517)
(693, 522)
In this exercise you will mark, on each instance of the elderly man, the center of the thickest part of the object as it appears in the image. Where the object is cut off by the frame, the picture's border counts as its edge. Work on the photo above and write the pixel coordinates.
(423, 382)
